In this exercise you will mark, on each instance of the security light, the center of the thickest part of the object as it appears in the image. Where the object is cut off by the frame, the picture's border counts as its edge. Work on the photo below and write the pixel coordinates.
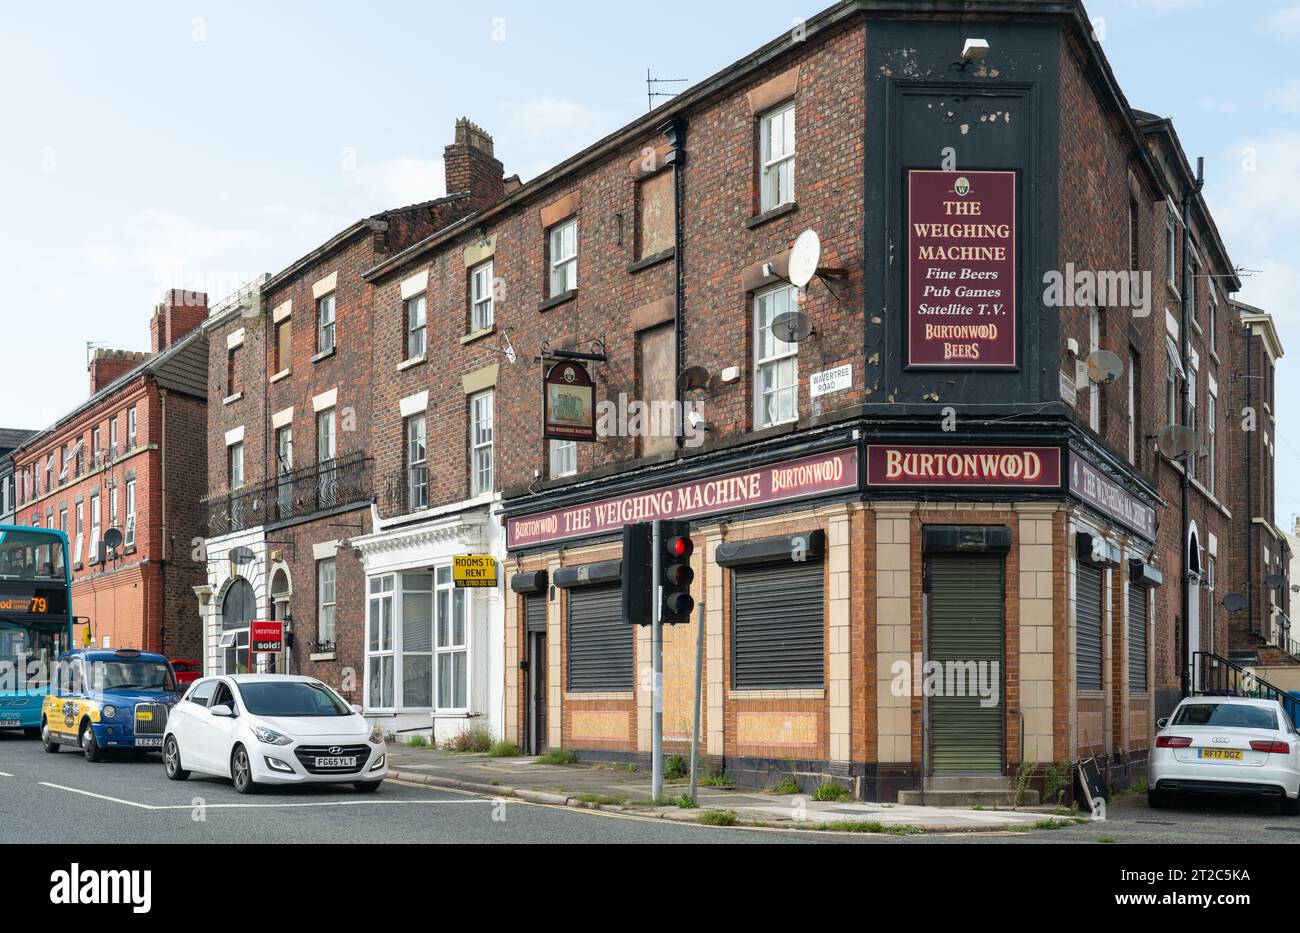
(974, 50)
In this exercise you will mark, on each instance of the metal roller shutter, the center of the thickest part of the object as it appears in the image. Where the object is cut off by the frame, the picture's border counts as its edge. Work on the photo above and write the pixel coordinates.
(1087, 620)
(777, 634)
(600, 644)
(535, 613)
(1137, 639)
(965, 621)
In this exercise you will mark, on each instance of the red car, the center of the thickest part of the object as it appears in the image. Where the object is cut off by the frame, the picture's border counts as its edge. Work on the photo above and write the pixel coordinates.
(186, 671)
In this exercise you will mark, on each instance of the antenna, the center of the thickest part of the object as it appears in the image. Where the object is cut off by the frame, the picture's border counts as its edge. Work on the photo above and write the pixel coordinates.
(651, 83)
(90, 349)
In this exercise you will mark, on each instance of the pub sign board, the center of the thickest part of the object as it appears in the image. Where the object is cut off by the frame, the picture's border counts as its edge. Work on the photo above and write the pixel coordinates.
(568, 403)
(787, 480)
(963, 467)
(1089, 485)
(961, 269)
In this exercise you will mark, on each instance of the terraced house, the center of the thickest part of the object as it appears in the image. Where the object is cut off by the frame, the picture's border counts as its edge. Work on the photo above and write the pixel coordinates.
(924, 329)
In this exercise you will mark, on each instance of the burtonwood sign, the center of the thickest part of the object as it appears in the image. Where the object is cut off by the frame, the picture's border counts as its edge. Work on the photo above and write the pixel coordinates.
(984, 467)
(816, 475)
(961, 269)
(568, 403)
(1110, 498)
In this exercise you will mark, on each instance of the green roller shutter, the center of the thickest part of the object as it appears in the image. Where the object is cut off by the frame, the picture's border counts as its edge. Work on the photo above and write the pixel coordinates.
(1137, 639)
(965, 620)
(1087, 626)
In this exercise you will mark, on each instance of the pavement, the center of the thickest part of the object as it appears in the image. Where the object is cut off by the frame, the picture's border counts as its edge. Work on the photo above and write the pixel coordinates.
(614, 788)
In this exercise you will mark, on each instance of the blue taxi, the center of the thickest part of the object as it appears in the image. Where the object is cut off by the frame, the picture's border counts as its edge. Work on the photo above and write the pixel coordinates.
(109, 700)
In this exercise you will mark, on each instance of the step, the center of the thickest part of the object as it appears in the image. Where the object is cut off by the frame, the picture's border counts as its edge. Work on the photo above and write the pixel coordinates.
(968, 782)
(992, 798)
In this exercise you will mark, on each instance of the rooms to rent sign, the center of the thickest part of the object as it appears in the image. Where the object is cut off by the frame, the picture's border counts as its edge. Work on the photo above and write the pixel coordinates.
(961, 269)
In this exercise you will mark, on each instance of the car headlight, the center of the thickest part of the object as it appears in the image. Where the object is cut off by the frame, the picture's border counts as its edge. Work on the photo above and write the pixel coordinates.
(109, 711)
(270, 736)
(377, 735)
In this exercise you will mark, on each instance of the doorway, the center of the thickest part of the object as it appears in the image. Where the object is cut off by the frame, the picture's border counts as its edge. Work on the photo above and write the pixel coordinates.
(535, 691)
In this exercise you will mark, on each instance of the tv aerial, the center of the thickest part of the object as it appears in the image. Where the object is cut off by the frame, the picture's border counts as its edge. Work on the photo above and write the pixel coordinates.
(113, 539)
(1176, 441)
(1104, 367)
(791, 327)
(1234, 602)
(1275, 581)
(693, 379)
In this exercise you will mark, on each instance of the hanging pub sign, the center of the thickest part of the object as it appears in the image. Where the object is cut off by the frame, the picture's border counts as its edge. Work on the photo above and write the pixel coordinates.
(961, 269)
(568, 403)
(963, 467)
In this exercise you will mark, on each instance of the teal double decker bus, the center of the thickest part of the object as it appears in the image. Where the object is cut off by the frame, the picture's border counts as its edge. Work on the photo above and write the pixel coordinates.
(35, 620)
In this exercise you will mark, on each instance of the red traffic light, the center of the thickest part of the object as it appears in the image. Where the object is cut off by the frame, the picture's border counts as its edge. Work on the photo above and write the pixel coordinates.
(680, 547)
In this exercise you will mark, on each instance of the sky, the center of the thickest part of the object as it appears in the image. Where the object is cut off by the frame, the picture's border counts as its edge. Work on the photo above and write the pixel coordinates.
(200, 144)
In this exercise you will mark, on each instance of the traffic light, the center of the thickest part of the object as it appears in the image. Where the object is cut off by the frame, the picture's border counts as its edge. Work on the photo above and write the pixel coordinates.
(676, 574)
(637, 582)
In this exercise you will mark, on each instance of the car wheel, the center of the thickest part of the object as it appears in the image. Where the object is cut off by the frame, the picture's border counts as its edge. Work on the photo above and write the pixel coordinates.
(47, 740)
(367, 787)
(1158, 799)
(1290, 805)
(89, 747)
(241, 771)
(172, 760)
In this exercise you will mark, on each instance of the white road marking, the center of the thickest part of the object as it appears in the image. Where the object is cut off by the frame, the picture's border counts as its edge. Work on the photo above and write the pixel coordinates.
(5, 774)
(251, 806)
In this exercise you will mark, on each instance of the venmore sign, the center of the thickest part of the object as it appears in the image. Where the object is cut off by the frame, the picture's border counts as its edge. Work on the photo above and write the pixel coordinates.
(815, 475)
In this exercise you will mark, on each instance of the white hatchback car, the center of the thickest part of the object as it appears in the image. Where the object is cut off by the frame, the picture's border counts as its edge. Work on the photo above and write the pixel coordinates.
(1226, 745)
(272, 729)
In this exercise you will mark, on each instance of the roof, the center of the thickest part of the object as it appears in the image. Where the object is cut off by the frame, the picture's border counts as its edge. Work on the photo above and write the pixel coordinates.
(13, 437)
(182, 367)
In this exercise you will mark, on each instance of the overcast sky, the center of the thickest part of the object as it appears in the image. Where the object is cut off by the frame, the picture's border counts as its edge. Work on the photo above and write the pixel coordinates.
(200, 144)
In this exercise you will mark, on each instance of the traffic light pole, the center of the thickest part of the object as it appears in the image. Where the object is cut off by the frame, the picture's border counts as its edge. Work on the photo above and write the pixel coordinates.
(657, 661)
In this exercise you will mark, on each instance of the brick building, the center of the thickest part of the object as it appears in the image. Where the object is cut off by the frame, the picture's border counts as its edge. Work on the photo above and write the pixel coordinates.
(293, 439)
(10, 439)
(132, 459)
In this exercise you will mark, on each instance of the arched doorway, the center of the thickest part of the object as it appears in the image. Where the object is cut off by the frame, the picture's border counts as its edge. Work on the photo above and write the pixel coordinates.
(281, 590)
(238, 608)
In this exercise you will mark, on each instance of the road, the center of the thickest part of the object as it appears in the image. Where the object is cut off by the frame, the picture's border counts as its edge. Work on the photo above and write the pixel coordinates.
(64, 799)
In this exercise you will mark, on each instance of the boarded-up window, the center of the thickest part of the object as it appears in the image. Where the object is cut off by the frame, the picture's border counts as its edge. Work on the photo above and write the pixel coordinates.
(655, 349)
(654, 210)
(1137, 639)
(601, 645)
(1088, 627)
(777, 634)
(282, 333)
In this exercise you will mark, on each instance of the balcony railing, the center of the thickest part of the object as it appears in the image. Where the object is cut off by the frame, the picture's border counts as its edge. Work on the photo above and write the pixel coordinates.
(301, 493)
(406, 491)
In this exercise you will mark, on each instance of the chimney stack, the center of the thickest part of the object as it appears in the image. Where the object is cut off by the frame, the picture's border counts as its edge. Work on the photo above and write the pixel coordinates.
(471, 166)
(179, 313)
(109, 365)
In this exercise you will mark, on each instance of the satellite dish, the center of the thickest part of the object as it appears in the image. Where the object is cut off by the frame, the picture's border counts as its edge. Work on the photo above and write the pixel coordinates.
(693, 378)
(1234, 602)
(1104, 367)
(242, 556)
(805, 256)
(113, 539)
(1275, 581)
(791, 326)
(1176, 441)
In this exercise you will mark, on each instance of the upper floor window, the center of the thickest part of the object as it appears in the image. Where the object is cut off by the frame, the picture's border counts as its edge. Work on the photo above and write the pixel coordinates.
(417, 456)
(563, 254)
(235, 466)
(1094, 390)
(1212, 318)
(130, 431)
(327, 593)
(1171, 252)
(481, 315)
(480, 443)
(1191, 421)
(1134, 230)
(112, 437)
(416, 327)
(563, 458)
(1211, 441)
(283, 344)
(776, 146)
(232, 372)
(96, 443)
(129, 535)
(776, 363)
(94, 528)
(325, 323)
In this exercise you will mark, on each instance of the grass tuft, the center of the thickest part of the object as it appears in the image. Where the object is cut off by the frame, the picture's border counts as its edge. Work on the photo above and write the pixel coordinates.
(476, 739)
(832, 792)
(504, 749)
(557, 756)
(718, 818)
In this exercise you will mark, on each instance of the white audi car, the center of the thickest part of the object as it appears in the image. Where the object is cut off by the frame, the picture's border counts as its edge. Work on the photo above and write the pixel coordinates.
(1226, 745)
(261, 729)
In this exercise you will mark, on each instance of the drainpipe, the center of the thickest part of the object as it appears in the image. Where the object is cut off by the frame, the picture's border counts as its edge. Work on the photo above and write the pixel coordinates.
(162, 469)
(1250, 508)
(1185, 350)
(675, 130)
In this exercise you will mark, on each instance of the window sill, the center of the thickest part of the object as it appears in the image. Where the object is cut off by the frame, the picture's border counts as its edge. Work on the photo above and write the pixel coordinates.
(324, 656)
(231, 399)
(559, 299)
(605, 695)
(654, 260)
(324, 355)
(778, 693)
(282, 374)
(412, 362)
(478, 334)
(789, 207)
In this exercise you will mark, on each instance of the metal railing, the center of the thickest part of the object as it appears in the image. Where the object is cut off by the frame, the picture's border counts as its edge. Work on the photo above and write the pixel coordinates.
(1217, 676)
(299, 493)
(406, 491)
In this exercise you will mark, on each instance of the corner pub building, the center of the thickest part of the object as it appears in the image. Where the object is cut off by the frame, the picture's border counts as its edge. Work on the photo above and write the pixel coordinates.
(930, 480)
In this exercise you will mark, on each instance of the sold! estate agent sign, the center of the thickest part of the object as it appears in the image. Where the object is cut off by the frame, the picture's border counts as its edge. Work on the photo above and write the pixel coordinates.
(961, 269)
